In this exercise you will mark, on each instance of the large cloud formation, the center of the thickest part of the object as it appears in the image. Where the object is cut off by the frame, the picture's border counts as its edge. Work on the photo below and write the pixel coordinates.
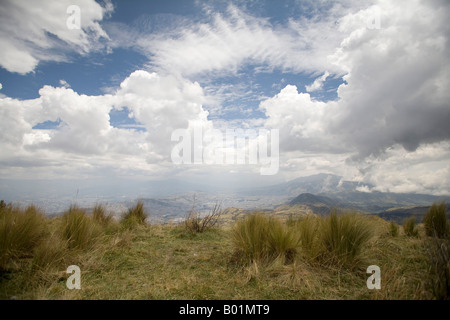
(84, 134)
(396, 91)
(388, 126)
(394, 98)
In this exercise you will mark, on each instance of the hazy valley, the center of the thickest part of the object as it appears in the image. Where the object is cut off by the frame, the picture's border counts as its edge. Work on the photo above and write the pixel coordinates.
(170, 201)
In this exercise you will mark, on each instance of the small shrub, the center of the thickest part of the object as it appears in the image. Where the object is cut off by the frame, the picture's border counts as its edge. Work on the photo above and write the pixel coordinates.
(435, 221)
(79, 229)
(409, 227)
(194, 223)
(20, 231)
(135, 215)
(344, 236)
(393, 229)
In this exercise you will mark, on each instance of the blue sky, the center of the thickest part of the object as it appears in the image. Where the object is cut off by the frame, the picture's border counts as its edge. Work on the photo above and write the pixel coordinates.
(355, 88)
(101, 72)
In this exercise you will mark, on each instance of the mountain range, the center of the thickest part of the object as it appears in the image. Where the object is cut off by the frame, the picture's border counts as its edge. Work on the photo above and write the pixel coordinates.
(170, 200)
(323, 205)
(322, 193)
(332, 190)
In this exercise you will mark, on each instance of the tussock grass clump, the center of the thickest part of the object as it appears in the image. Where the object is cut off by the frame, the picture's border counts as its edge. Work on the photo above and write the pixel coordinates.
(435, 221)
(258, 238)
(99, 215)
(307, 230)
(51, 252)
(135, 215)
(393, 229)
(80, 230)
(439, 278)
(336, 239)
(20, 231)
(409, 227)
(343, 237)
(282, 241)
(249, 237)
(194, 223)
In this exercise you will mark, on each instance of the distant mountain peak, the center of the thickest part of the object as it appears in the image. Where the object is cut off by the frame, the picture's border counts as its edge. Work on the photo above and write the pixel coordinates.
(314, 200)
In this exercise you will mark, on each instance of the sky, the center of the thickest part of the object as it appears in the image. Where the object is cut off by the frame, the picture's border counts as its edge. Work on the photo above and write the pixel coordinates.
(103, 91)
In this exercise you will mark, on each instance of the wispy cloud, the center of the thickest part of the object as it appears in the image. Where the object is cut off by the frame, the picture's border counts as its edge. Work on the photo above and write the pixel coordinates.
(32, 31)
(222, 43)
(318, 83)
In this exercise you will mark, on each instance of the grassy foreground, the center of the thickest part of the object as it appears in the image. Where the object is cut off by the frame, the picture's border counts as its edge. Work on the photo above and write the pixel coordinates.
(130, 259)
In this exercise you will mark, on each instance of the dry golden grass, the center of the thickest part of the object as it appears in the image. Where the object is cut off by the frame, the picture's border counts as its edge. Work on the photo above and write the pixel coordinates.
(169, 262)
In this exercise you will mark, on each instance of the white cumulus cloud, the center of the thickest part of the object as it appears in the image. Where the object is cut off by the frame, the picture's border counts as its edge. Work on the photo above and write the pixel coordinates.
(85, 137)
